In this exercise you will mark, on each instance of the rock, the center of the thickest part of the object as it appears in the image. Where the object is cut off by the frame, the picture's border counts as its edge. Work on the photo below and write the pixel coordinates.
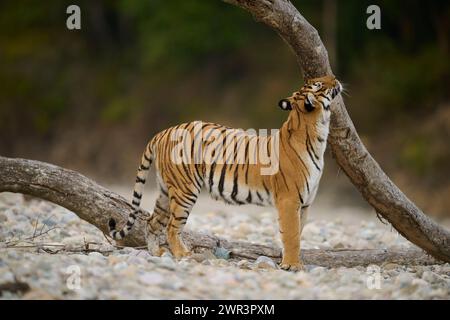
(3, 217)
(404, 279)
(49, 222)
(244, 264)
(121, 266)
(199, 257)
(112, 260)
(219, 262)
(167, 262)
(137, 260)
(338, 245)
(310, 267)
(222, 253)
(420, 282)
(392, 272)
(264, 262)
(431, 277)
(318, 270)
(439, 293)
(151, 278)
(38, 294)
(6, 276)
(97, 256)
(390, 266)
(368, 234)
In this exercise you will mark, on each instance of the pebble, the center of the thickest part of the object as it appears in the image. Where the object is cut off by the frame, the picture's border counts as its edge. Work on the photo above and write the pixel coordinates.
(431, 277)
(264, 262)
(222, 253)
(131, 273)
(151, 278)
(390, 266)
(404, 280)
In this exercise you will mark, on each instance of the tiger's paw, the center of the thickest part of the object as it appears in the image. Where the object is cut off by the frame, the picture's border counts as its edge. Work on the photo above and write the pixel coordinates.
(180, 252)
(294, 267)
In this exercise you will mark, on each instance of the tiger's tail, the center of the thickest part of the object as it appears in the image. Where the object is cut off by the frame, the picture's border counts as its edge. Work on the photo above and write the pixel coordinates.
(141, 176)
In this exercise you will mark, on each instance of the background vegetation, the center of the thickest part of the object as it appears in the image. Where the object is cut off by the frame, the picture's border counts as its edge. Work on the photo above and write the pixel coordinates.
(90, 99)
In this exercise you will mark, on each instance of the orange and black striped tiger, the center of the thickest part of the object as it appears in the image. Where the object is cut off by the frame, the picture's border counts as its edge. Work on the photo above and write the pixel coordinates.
(232, 165)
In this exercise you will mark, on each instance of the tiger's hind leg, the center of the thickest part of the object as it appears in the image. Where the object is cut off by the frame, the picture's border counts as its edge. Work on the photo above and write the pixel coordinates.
(157, 224)
(180, 205)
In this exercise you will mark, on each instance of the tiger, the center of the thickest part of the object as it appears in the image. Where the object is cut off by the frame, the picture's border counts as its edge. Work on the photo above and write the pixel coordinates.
(291, 187)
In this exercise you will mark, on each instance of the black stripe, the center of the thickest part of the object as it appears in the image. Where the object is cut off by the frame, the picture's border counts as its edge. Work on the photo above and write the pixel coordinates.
(311, 146)
(157, 206)
(249, 197)
(211, 176)
(186, 206)
(312, 159)
(301, 199)
(265, 188)
(259, 196)
(198, 173)
(235, 187)
(139, 180)
(221, 181)
(135, 202)
(192, 197)
(147, 158)
(143, 168)
(309, 152)
(164, 192)
(299, 157)
(284, 179)
(137, 195)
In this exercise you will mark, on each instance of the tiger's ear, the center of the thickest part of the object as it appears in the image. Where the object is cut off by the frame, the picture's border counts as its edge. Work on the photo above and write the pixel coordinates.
(309, 102)
(285, 104)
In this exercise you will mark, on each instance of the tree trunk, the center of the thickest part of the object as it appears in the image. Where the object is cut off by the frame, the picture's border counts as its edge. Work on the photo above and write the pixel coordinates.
(95, 204)
(348, 150)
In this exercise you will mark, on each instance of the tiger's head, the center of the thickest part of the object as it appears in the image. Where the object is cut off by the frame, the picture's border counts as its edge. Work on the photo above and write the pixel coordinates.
(315, 95)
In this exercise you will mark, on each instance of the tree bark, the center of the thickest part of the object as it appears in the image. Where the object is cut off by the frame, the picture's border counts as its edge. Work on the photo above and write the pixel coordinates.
(95, 204)
(348, 150)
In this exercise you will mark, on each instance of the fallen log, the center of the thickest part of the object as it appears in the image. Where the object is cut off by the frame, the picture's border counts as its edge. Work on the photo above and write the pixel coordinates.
(96, 205)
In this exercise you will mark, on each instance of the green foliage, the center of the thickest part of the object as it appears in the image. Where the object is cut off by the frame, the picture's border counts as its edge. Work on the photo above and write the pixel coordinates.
(415, 155)
(155, 63)
(180, 34)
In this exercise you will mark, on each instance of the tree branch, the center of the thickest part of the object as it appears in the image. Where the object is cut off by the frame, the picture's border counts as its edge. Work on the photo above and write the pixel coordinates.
(95, 204)
(348, 150)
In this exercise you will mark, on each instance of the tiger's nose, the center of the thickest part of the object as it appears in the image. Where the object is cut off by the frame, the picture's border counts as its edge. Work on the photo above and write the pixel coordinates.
(285, 104)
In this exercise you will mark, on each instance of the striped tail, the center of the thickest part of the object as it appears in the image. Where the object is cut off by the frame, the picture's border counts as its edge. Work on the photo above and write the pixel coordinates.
(141, 176)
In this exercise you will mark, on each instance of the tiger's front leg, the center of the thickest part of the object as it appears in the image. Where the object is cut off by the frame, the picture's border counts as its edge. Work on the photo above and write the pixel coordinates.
(289, 223)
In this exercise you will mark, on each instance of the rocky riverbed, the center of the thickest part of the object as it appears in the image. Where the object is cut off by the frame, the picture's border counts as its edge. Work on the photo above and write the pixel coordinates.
(47, 252)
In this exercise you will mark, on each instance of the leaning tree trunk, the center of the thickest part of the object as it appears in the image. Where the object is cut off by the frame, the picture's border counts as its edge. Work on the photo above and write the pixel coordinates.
(347, 148)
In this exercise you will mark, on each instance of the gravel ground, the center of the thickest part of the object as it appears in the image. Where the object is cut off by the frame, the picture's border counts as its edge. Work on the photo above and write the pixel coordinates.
(32, 268)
